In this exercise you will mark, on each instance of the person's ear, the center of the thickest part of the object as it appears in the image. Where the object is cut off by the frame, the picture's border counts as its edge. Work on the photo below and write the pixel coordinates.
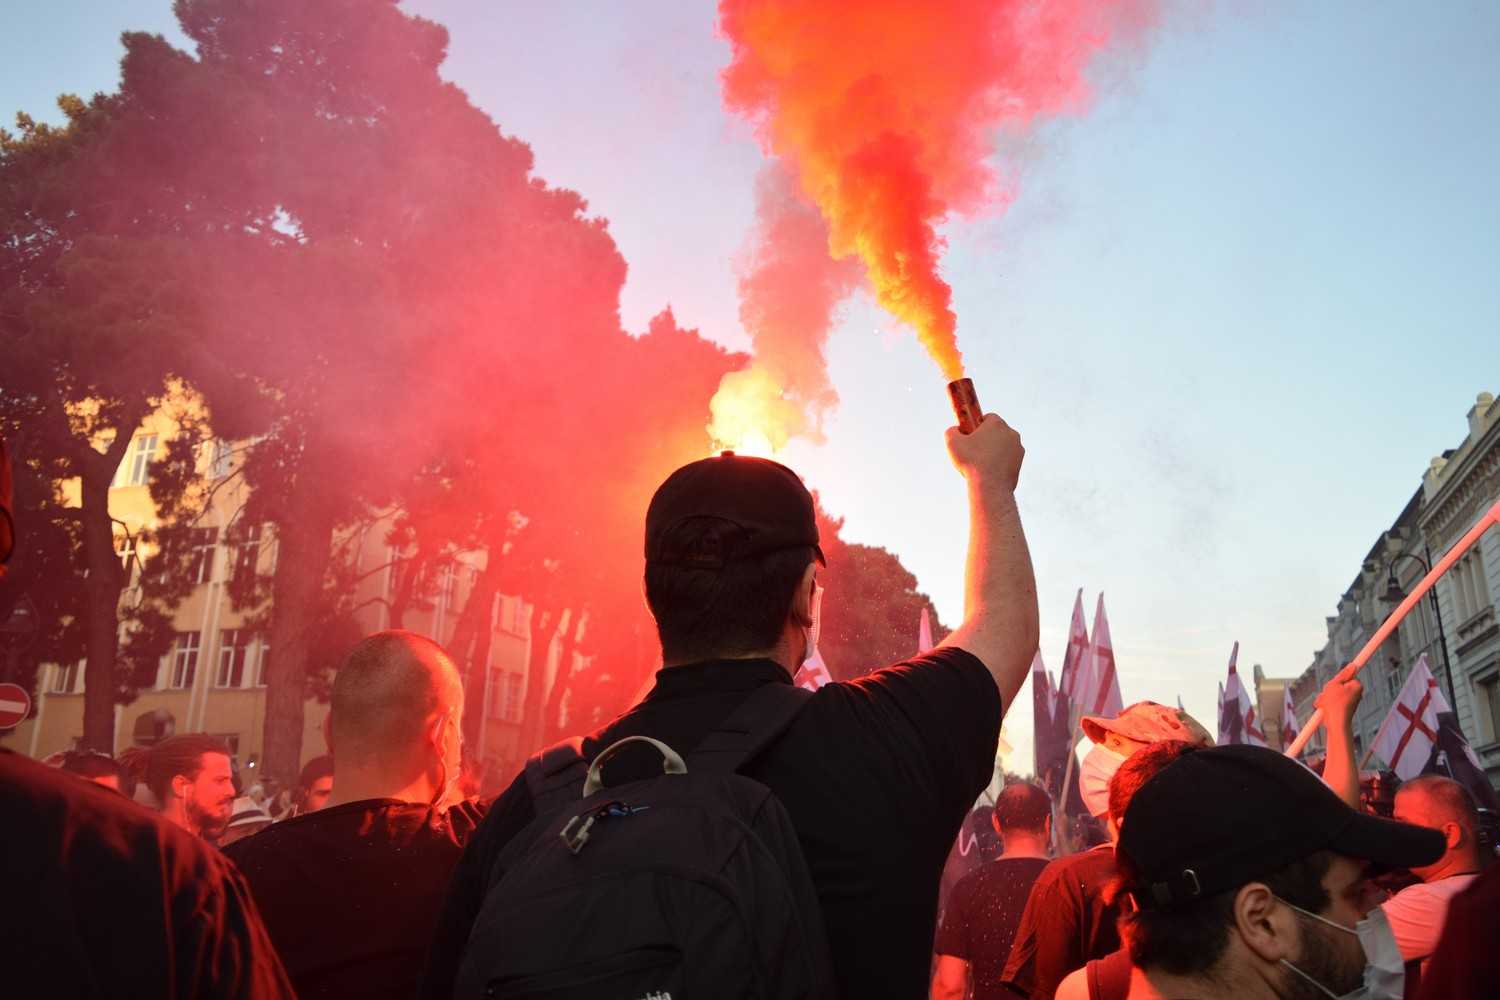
(1268, 928)
(1453, 834)
(181, 785)
(995, 824)
(802, 598)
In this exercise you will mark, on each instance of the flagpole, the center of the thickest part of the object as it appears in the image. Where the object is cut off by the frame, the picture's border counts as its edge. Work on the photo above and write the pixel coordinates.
(1490, 518)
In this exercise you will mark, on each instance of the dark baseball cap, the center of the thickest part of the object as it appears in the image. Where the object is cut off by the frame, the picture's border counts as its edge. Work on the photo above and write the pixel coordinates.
(764, 504)
(1216, 818)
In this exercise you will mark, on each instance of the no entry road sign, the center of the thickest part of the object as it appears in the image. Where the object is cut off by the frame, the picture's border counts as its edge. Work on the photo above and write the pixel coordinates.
(14, 704)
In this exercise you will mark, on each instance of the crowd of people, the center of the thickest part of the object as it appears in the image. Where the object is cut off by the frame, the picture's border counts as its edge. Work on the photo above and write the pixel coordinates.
(735, 835)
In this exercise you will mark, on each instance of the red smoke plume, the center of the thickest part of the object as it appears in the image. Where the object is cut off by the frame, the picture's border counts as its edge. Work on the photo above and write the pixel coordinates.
(789, 287)
(884, 110)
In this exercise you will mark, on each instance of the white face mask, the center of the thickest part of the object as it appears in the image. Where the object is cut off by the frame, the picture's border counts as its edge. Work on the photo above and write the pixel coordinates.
(811, 632)
(1385, 972)
(1099, 765)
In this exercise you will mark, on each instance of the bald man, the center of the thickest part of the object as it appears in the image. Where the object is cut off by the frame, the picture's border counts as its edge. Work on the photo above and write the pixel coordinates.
(1417, 913)
(351, 893)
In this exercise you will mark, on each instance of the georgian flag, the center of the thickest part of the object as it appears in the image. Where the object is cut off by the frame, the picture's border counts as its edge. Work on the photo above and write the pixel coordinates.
(1410, 729)
(814, 673)
(1100, 693)
(1289, 724)
(1076, 659)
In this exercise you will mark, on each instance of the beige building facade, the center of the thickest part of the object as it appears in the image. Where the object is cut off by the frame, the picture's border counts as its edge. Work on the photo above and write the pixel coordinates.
(212, 679)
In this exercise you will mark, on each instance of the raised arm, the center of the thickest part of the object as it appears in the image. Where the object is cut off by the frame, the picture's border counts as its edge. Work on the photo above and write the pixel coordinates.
(1000, 614)
(1338, 701)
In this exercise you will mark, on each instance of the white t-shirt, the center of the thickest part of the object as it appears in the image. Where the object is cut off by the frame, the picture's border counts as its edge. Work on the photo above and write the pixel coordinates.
(1418, 912)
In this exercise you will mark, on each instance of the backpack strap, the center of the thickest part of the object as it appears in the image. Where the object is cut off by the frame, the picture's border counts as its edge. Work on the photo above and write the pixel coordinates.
(555, 776)
(757, 723)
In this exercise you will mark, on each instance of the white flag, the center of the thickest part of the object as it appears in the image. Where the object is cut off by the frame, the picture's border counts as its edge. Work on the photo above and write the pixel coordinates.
(1076, 659)
(1101, 694)
(1289, 724)
(1410, 729)
(814, 673)
(924, 634)
(1244, 727)
(1220, 738)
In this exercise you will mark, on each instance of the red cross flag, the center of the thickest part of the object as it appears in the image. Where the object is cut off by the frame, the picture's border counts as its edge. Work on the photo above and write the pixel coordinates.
(1410, 729)
(1100, 694)
(814, 673)
(1076, 659)
(1289, 724)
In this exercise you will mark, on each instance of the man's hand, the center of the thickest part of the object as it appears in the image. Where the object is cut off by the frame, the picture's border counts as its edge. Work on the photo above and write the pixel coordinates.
(1339, 699)
(990, 456)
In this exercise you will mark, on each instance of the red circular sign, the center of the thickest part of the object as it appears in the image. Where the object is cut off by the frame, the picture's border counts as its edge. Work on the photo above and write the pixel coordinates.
(14, 704)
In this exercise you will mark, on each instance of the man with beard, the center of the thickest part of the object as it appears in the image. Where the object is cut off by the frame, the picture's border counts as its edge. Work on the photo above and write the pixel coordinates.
(191, 779)
(1248, 879)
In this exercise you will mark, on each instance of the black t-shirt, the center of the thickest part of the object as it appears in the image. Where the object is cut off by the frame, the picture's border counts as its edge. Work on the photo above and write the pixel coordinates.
(351, 894)
(981, 920)
(104, 898)
(876, 775)
(1065, 924)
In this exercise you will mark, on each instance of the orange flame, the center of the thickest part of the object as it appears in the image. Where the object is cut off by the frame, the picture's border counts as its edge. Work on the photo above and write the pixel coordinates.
(751, 416)
(884, 108)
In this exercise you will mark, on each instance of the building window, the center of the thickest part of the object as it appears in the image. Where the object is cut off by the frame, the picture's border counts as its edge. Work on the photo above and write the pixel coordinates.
(262, 661)
(1489, 693)
(1392, 684)
(65, 677)
(129, 550)
(513, 613)
(244, 551)
(221, 458)
(136, 465)
(184, 660)
(511, 707)
(201, 548)
(234, 654)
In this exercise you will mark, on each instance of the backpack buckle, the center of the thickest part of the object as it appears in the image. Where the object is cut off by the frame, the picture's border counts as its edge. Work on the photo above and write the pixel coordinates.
(575, 839)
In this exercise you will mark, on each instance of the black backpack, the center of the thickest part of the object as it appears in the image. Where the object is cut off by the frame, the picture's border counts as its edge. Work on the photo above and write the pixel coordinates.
(687, 885)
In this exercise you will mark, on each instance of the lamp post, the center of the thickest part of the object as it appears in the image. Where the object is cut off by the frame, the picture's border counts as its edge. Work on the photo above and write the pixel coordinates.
(1394, 594)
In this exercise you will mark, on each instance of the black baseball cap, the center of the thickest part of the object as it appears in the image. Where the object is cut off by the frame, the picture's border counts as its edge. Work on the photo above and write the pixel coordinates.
(764, 504)
(1216, 818)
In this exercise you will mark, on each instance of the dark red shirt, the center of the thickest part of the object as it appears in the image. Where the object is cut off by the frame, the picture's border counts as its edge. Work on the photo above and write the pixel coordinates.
(1066, 923)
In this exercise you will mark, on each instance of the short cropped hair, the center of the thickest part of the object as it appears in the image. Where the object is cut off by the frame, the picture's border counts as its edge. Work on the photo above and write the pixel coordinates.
(1453, 801)
(382, 694)
(739, 607)
(1189, 939)
(1022, 806)
(1139, 768)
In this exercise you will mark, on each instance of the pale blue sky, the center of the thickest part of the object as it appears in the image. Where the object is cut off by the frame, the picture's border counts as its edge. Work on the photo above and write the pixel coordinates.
(1234, 311)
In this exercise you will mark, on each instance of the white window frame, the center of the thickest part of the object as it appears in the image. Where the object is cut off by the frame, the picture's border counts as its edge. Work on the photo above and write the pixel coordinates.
(234, 643)
(182, 668)
(66, 677)
(262, 653)
(204, 544)
(244, 547)
(135, 468)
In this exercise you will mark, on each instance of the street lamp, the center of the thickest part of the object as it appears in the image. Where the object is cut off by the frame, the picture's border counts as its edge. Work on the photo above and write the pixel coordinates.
(1395, 594)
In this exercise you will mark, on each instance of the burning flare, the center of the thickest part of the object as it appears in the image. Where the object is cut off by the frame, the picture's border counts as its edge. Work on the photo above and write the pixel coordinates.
(884, 110)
